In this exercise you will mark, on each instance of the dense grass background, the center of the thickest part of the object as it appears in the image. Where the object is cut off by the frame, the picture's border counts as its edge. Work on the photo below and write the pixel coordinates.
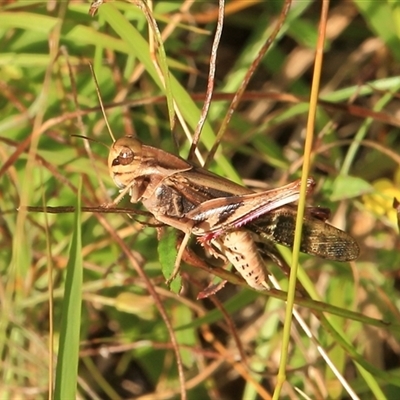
(48, 262)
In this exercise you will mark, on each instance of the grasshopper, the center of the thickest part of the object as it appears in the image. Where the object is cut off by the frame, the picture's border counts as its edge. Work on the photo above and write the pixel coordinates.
(230, 220)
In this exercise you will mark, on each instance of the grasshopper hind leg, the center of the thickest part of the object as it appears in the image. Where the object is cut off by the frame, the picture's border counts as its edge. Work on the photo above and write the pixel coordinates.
(241, 250)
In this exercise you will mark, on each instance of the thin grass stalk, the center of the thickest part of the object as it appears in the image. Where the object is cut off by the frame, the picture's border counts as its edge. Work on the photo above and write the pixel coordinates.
(302, 199)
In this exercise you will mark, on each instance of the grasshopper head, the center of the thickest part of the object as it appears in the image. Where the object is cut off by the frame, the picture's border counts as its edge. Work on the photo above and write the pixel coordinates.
(124, 160)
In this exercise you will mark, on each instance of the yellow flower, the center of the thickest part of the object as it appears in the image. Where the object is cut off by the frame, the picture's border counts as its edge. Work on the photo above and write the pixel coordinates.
(380, 202)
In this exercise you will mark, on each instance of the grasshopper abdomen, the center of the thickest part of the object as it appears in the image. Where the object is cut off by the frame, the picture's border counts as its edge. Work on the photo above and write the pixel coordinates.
(241, 250)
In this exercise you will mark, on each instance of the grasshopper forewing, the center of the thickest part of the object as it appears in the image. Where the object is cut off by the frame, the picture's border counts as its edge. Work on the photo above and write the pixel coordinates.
(228, 219)
(215, 216)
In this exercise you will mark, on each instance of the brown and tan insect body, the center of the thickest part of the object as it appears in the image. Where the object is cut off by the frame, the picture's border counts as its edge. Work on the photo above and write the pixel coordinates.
(222, 213)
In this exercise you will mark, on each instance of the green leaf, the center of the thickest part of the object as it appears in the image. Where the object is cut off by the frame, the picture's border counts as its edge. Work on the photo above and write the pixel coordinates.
(68, 355)
(348, 187)
(187, 338)
(382, 19)
(167, 253)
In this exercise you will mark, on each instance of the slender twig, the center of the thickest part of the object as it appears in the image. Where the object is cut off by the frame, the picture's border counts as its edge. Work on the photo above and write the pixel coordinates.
(211, 79)
(238, 95)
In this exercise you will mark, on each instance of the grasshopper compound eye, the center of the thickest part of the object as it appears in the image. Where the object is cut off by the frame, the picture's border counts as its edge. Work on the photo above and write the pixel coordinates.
(124, 160)
(124, 152)
(125, 157)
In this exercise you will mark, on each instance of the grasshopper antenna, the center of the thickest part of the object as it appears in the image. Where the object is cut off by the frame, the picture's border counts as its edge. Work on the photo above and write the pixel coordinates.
(90, 139)
(101, 103)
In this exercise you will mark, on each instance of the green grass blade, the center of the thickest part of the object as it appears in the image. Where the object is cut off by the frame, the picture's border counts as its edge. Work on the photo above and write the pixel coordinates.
(68, 354)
